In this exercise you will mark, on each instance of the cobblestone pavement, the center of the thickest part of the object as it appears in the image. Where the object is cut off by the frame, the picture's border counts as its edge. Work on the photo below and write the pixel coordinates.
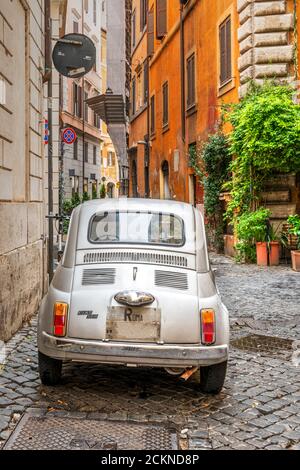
(259, 407)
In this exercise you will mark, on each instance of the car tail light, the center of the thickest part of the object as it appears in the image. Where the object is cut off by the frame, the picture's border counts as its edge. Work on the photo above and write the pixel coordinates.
(208, 326)
(60, 318)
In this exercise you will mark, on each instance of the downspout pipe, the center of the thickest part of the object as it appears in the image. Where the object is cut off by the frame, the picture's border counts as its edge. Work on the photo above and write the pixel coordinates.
(182, 69)
(48, 68)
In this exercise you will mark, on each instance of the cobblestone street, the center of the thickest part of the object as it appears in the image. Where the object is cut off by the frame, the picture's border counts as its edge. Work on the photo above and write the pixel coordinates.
(259, 408)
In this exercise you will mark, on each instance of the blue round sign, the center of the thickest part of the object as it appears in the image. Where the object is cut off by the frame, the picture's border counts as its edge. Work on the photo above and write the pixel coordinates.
(69, 136)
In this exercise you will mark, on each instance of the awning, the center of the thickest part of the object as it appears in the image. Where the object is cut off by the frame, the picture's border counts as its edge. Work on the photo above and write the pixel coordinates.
(109, 107)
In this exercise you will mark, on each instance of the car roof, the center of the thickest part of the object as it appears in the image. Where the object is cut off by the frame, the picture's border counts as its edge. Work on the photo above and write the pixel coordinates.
(136, 204)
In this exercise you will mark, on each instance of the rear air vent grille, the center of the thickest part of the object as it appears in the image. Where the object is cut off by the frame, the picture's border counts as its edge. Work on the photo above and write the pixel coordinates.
(92, 277)
(131, 257)
(171, 279)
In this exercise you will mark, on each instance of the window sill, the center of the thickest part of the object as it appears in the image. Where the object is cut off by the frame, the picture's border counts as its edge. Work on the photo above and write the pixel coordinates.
(191, 110)
(153, 136)
(165, 128)
(226, 87)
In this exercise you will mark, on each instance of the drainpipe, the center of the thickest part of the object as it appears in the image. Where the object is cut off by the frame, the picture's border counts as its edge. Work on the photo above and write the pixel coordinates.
(182, 70)
(147, 163)
(48, 67)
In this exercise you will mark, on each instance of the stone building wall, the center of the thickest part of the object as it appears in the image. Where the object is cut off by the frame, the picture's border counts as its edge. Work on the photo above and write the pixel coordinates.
(266, 40)
(22, 249)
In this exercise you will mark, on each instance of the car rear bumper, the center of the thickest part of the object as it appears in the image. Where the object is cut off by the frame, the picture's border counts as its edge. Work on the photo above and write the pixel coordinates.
(135, 354)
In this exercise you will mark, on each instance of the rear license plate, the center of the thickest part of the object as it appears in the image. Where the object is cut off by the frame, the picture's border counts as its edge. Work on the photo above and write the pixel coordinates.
(133, 324)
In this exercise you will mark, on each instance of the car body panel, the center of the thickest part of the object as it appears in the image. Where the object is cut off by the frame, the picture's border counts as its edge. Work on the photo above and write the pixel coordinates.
(165, 333)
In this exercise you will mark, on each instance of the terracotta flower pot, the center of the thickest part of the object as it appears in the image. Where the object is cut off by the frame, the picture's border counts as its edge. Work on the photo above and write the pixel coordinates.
(274, 253)
(296, 260)
(262, 253)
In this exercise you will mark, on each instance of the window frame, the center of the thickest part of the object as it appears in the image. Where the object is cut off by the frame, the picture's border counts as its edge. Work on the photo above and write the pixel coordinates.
(165, 102)
(180, 219)
(227, 51)
(152, 115)
(191, 103)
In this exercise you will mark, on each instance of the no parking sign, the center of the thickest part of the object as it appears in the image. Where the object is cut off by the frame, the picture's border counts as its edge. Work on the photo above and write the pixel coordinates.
(69, 136)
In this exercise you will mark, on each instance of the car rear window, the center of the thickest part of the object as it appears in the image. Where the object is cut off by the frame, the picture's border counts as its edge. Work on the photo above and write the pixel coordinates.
(137, 227)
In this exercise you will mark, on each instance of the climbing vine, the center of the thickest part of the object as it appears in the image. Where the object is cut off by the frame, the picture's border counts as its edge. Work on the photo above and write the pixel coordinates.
(211, 165)
(265, 139)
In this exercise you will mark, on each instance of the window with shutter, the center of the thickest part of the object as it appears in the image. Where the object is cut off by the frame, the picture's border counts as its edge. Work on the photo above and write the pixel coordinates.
(161, 18)
(151, 32)
(86, 152)
(143, 13)
(165, 104)
(146, 80)
(75, 150)
(133, 28)
(152, 115)
(133, 97)
(225, 51)
(191, 82)
(86, 108)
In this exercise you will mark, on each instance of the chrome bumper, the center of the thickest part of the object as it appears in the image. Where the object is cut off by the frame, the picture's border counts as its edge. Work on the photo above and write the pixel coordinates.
(131, 353)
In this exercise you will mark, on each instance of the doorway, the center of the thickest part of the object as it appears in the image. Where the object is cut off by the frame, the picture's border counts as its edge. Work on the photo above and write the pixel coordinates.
(165, 171)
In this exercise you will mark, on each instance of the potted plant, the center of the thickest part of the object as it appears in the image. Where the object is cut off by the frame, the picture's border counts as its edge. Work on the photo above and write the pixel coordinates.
(257, 238)
(273, 245)
(294, 229)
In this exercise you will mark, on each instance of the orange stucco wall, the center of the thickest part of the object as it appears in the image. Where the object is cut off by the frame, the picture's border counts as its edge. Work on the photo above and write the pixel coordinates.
(138, 124)
(202, 21)
(201, 37)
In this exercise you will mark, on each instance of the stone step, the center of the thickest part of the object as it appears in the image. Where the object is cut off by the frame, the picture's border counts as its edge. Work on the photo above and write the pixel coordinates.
(281, 211)
(276, 196)
(278, 182)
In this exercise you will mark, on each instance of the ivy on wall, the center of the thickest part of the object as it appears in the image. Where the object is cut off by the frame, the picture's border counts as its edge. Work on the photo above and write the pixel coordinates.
(265, 139)
(211, 165)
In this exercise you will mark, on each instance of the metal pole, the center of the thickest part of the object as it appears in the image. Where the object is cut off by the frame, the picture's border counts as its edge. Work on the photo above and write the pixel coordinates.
(182, 67)
(48, 66)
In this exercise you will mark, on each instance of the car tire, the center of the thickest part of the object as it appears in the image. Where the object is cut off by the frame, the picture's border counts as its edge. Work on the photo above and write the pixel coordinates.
(49, 369)
(212, 378)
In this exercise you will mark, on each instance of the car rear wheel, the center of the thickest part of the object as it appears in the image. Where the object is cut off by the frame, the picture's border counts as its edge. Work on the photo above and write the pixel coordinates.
(49, 369)
(212, 378)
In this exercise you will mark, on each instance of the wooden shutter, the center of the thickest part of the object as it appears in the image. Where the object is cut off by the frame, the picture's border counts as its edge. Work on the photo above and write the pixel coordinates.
(225, 51)
(74, 99)
(222, 53)
(146, 80)
(143, 14)
(228, 49)
(151, 32)
(79, 101)
(161, 18)
(133, 97)
(152, 120)
(191, 84)
(165, 104)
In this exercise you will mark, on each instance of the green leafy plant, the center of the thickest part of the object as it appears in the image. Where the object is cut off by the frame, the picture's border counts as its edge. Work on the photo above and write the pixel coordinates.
(68, 207)
(102, 191)
(294, 223)
(211, 165)
(265, 139)
(94, 193)
(252, 227)
(85, 196)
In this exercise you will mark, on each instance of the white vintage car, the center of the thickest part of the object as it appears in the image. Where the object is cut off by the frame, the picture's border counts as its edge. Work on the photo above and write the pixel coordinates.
(135, 288)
